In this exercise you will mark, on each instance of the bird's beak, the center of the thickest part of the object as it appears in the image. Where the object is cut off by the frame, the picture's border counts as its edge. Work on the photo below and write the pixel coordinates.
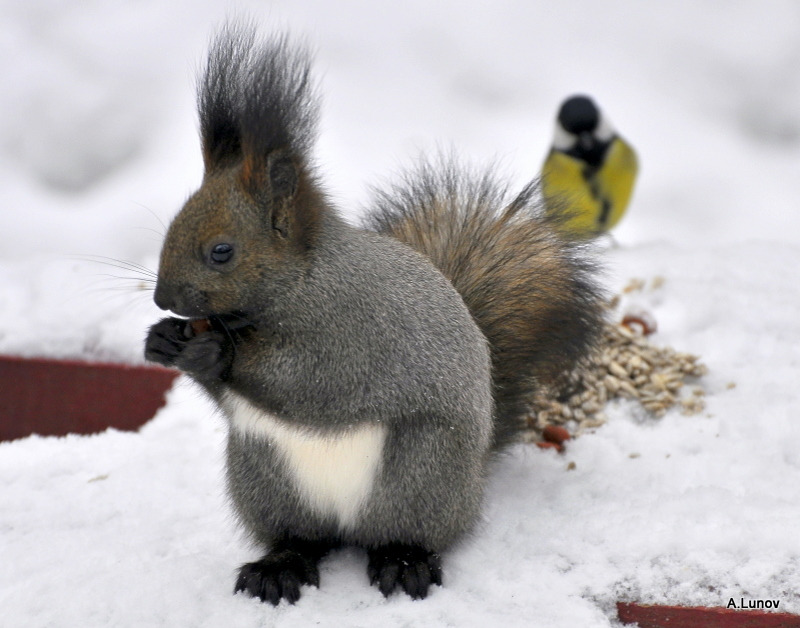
(586, 140)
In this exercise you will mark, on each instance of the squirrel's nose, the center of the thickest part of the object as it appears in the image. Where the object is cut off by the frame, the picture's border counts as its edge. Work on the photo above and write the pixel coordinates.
(164, 297)
(180, 298)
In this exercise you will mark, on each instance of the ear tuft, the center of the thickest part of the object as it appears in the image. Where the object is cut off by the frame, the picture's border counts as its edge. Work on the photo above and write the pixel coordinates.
(255, 97)
(220, 95)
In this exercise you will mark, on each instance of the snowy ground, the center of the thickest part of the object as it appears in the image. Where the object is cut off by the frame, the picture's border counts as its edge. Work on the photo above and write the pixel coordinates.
(97, 143)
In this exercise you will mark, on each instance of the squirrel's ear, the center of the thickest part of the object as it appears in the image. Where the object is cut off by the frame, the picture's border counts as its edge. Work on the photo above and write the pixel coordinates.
(282, 176)
(273, 181)
(274, 178)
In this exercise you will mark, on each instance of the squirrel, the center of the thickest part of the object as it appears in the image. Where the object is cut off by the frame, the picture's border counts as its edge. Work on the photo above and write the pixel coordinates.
(368, 375)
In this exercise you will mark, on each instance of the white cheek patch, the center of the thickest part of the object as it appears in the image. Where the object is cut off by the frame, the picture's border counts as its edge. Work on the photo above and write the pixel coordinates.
(605, 130)
(563, 140)
(334, 474)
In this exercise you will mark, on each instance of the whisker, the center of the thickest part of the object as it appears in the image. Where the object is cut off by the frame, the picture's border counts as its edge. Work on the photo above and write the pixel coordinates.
(129, 288)
(117, 263)
(230, 337)
(156, 231)
(124, 298)
(243, 321)
(101, 259)
(161, 222)
(142, 279)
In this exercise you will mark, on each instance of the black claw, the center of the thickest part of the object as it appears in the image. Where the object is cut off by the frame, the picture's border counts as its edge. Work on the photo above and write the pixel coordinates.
(290, 586)
(249, 581)
(269, 591)
(417, 580)
(411, 567)
(435, 568)
(387, 579)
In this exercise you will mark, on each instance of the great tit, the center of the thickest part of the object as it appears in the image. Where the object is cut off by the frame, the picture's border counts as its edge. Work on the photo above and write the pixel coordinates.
(588, 175)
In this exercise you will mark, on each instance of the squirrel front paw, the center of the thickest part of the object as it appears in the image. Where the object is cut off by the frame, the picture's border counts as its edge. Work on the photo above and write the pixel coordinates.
(204, 356)
(174, 342)
(166, 340)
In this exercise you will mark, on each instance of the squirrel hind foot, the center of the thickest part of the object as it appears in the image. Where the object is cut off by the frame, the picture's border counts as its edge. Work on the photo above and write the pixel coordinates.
(279, 575)
(411, 567)
(271, 581)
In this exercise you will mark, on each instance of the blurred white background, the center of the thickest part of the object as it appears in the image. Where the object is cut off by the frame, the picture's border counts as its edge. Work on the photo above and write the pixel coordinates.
(99, 129)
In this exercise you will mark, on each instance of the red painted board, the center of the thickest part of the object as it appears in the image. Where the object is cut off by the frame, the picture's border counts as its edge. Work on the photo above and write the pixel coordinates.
(700, 617)
(58, 397)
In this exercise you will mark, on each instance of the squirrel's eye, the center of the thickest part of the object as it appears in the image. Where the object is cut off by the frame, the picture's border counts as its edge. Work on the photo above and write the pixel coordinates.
(222, 253)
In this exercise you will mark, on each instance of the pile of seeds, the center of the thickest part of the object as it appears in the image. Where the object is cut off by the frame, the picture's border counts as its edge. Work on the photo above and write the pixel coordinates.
(626, 365)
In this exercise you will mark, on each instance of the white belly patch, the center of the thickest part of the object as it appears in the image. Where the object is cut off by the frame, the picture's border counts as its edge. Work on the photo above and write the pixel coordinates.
(334, 474)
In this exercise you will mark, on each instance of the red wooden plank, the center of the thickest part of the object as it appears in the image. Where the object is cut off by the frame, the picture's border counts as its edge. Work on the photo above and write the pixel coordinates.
(648, 616)
(57, 397)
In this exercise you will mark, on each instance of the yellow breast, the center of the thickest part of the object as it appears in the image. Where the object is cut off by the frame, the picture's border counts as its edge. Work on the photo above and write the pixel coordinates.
(592, 201)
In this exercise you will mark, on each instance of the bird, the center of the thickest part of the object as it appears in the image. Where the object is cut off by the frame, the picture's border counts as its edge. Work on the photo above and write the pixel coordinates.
(588, 176)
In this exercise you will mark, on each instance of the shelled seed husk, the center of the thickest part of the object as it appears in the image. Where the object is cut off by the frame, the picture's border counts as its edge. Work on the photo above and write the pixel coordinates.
(626, 365)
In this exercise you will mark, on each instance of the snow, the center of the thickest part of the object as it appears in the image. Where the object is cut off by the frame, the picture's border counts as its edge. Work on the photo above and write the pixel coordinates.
(98, 147)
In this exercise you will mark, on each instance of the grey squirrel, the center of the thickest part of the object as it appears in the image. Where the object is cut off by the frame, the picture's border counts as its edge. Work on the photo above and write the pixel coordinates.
(367, 375)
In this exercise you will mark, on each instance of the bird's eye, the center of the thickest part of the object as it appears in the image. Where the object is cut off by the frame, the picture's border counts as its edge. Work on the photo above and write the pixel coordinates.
(222, 253)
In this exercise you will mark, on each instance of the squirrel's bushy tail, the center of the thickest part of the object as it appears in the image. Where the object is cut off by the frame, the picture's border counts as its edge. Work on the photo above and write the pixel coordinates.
(530, 291)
